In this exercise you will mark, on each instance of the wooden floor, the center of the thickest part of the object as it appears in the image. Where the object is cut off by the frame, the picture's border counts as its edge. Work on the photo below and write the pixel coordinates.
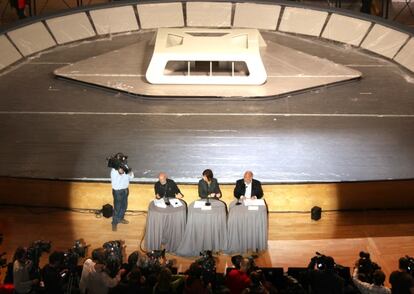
(293, 237)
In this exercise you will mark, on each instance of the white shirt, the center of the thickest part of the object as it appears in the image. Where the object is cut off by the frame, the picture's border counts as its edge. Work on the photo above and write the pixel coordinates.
(120, 181)
(367, 288)
(248, 192)
(21, 276)
(88, 267)
(99, 282)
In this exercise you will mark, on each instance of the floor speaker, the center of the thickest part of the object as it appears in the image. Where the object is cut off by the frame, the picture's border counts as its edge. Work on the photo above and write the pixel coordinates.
(107, 210)
(316, 213)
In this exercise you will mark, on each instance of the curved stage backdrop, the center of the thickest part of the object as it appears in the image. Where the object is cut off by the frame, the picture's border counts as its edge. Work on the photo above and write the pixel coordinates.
(349, 131)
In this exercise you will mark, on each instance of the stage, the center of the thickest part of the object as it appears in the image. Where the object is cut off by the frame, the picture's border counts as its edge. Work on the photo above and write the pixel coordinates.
(356, 131)
(293, 237)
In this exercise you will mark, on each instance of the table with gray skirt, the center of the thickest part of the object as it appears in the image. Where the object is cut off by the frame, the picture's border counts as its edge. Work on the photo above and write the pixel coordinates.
(247, 229)
(205, 229)
(165, 227)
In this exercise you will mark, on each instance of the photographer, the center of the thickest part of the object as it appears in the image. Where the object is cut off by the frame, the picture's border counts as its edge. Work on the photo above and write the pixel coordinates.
(21, 272)
(256, 285)
(167, 282)
(52, 279)
(98, 281)
(237, 279)
(322, 276)
(377, 287)
(194, 283)
(120, 177)
(402, 281)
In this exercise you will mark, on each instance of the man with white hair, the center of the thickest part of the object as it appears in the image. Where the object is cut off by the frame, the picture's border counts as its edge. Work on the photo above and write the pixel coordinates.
(248, 187)
(166, 188)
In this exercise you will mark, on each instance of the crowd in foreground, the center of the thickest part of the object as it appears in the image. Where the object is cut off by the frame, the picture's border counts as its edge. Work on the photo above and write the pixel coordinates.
(105, 272)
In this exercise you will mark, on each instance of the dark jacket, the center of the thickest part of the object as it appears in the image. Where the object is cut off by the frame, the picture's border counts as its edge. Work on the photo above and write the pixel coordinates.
(204, 189)
(240, 189)
(168, 190)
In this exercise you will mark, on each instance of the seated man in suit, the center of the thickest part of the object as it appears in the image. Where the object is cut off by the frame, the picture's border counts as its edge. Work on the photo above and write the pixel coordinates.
(166, 187)
(248, 187)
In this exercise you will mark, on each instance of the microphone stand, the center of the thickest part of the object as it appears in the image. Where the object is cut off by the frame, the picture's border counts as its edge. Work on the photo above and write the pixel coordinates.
(208, 201)
(166, 199)
(238, 201)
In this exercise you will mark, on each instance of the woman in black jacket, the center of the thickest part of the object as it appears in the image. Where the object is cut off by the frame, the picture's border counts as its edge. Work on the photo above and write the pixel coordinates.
(208, 186)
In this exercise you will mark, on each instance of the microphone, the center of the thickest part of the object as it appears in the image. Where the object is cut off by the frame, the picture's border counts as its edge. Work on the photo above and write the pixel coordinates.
(166, 199)
(238, 201)
(208, 201)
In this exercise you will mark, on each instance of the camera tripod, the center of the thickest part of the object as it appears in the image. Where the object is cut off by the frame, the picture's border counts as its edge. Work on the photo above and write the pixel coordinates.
(73, 283)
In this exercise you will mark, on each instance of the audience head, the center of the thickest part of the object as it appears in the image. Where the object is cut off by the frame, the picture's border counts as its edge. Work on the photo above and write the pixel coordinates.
(207, 175)
(20, 254)
(195, 270)
(236, 261)
(56, 258)
(164, 278)
(403, 263)
(162, 177)
(378, 277)
(133, 259)
(248, 176)
(98, 256)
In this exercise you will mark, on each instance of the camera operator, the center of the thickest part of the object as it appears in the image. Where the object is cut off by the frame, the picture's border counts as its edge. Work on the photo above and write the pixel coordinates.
(322, 276)
(167, 282)
(166, 188)
(377, 287)
(51, 273)
(256, 285)
(98, 281)
(21, 272)
(401, 281)
(238, 279)
(88, 267)
(120, 178)
(194, 284)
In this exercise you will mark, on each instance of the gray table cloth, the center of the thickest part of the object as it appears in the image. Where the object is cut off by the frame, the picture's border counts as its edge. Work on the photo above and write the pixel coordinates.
(205, 229)
(247, 229)
(165, 226)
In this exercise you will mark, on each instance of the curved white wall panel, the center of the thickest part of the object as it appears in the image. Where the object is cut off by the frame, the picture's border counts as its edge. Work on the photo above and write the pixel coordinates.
(32, 38)
(114, 20)
(208, 14)
(302, 21)
(71, 28)
(258, 16)
(161, 15)
(346, 29)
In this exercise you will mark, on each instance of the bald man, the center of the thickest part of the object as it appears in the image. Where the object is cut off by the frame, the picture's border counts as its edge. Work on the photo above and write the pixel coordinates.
(166, 187)
(248, 187)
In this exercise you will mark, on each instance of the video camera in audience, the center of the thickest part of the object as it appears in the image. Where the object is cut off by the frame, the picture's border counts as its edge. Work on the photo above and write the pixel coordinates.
(71, 257)
(366, 267)
(119, 161)
(152, 263)
(208, 266)
(113, 256)
(324, 262)
(410, 264)
(34, 252)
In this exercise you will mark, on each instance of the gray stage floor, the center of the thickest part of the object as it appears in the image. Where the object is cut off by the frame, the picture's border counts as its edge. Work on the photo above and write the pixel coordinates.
(361, 130)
